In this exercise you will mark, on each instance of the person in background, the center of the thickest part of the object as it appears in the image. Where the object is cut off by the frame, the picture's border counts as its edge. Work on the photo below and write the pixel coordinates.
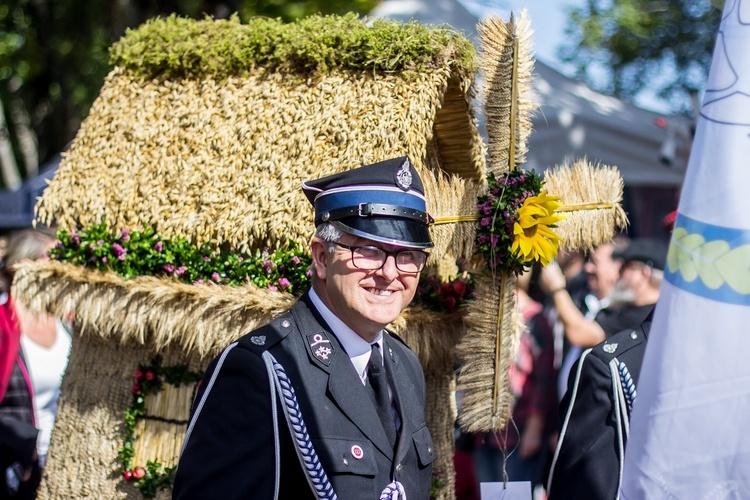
(596, 409)
(590, 454)
(27, 405)
(601, 271)
(45, 341)
(520, 450)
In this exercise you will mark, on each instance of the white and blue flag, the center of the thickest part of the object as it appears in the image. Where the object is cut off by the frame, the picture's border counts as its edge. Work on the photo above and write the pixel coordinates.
(690, 431)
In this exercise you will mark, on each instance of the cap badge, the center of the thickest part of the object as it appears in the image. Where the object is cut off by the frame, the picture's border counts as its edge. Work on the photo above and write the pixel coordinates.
(357, 452)
(609, 348)
(320, 347)
(403, 176)
(258, 339)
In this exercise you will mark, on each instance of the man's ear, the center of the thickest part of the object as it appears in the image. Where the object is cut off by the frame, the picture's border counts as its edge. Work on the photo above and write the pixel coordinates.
(319, 252)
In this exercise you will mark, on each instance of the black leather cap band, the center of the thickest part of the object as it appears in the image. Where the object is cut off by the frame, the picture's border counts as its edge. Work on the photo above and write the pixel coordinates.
(377, 210)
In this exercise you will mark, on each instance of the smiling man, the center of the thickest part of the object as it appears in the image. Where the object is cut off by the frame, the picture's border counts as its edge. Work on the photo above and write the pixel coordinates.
(324, 401)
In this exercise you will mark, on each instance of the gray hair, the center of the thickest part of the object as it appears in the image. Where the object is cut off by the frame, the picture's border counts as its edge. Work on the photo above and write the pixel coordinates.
(328, 233)
(26, 244)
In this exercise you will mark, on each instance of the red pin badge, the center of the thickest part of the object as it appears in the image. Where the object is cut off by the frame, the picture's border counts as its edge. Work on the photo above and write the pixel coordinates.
(357, 452)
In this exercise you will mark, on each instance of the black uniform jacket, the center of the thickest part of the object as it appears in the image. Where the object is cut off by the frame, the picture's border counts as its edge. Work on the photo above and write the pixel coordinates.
(588, 461)
(229, 451)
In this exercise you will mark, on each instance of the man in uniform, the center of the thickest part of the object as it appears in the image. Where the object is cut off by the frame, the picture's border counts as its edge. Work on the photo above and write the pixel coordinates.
(596, 409)
(323, 401)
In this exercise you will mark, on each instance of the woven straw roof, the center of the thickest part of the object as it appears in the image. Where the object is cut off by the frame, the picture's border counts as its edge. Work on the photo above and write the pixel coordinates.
(206, 129)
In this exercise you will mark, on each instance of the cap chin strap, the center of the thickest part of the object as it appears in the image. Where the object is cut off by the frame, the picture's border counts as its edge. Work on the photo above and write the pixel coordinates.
(377, 210)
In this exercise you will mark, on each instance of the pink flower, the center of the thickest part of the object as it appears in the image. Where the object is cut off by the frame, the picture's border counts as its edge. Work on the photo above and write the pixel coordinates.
(181, 270)
(119, 251)
(125, 234)
(100, 243)
(206, 258)
(159, 246)
(104, 259)
(284, 283)
(215, 276)
(272, 288)
(486, 221)
(168, 268)
(198, 282)
(295, 260)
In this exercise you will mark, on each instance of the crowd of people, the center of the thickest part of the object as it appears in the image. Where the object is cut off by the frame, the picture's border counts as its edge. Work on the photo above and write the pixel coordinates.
(596, 314)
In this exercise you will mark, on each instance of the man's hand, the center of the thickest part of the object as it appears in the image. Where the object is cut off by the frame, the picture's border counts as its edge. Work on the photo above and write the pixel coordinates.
(551, 278)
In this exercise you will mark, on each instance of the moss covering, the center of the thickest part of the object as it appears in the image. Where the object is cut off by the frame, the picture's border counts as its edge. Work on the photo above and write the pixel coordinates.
(177, 47)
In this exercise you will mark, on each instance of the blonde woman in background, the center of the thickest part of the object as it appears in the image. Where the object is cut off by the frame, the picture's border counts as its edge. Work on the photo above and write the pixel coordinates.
(44, 341)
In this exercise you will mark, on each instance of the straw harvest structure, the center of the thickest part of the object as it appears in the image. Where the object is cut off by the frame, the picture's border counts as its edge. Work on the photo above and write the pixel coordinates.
(204, 131)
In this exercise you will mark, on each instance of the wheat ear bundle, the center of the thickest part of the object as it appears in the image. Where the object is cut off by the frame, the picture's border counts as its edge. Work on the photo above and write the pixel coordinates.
(591, 197)
(488, 349)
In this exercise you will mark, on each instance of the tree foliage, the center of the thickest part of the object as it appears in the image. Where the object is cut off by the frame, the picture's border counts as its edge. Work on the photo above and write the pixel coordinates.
(624, 47)
(54, 57)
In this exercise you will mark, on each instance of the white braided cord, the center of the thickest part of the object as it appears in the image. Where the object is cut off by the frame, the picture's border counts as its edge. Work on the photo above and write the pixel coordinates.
(310, 462)
(394, 491)
(628, 386)
(316, 475)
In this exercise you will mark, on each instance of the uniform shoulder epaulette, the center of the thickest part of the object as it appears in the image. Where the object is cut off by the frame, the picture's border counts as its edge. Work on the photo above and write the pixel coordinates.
(262, 338)
(619, 343)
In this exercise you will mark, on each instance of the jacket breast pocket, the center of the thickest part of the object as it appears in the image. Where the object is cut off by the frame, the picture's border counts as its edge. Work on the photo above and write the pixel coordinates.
(423, 445)
(346, 456)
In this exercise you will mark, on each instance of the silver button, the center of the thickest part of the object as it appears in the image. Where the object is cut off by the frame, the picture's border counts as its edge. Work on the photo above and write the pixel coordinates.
(633, 335)
(399, 468)
(285, 323)
(346, 462)
(429, 450)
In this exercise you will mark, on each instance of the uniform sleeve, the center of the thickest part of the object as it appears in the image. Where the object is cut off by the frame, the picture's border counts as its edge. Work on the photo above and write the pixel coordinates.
(586, 464)
(229, 450)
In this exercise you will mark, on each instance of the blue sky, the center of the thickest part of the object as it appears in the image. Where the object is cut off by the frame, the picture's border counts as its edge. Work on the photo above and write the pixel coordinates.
(548, 19)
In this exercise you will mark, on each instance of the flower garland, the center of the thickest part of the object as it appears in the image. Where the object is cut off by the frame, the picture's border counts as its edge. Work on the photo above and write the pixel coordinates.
(516, 222)
(145, 253)
(149, 380)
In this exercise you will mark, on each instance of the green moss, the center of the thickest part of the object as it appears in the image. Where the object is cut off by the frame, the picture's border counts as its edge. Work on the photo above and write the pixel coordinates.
(177, 47)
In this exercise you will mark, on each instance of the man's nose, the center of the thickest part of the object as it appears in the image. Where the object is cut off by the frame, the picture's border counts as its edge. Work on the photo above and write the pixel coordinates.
(389, 269)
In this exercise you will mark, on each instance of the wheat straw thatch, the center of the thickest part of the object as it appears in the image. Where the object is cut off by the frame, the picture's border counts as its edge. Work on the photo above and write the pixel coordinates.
(507, 63)
(591, 197)
(220, 159)
(199, 320)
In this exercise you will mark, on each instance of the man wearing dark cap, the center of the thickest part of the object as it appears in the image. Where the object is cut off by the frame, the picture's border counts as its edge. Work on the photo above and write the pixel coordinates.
(602, 387)
(323, 402)
(629, 302)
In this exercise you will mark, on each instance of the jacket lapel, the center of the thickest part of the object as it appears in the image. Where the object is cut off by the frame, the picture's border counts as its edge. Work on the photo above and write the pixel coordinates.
(404, 391)
(344, 385)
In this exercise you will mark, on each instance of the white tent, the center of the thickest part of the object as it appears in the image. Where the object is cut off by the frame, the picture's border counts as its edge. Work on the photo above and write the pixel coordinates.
(575, 121)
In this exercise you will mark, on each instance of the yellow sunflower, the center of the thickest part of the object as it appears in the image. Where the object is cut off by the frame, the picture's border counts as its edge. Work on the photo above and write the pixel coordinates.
(533, 239)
